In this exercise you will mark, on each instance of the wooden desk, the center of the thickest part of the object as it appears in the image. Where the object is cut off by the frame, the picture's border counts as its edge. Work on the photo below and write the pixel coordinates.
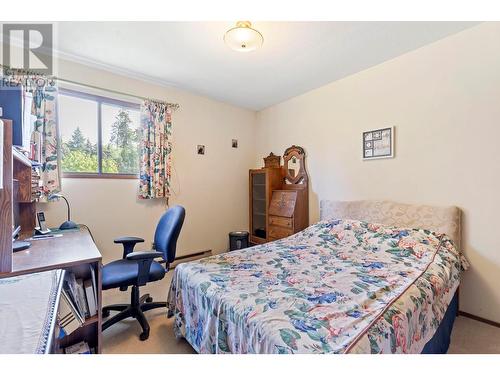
(74, 251)
(73, 248)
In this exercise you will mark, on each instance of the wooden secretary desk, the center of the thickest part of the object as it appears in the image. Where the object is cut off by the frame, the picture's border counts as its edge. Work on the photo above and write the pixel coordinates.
(279, 197)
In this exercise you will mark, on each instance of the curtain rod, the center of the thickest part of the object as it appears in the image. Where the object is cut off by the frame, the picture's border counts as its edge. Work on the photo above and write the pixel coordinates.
(173, 106)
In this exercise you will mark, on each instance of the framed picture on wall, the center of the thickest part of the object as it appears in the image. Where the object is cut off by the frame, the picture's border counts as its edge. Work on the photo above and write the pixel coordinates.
(378, 144)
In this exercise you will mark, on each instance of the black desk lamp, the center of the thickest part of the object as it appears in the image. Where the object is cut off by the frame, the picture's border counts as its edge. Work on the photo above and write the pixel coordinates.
(68, 224)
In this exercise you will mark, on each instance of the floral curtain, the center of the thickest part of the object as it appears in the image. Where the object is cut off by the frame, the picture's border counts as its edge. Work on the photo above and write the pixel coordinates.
(45, 132)
(156, 150)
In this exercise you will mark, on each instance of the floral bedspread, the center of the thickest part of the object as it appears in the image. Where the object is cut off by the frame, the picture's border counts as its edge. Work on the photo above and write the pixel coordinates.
(339, 286)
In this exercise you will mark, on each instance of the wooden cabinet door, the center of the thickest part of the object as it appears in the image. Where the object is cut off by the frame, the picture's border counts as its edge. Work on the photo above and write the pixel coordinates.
(258, 205)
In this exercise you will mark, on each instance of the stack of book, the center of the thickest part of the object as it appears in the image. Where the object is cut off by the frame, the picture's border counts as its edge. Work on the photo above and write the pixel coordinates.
(78, 302)
(35, 183)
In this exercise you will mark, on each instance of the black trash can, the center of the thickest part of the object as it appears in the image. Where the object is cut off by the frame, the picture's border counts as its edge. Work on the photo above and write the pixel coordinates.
(238, 240)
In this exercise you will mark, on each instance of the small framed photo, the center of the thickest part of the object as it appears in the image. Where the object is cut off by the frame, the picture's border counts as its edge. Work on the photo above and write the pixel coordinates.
(200, 149)
(234, 143)
(378, 144)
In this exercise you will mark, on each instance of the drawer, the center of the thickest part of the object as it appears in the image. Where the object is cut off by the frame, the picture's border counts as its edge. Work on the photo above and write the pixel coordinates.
(279, 232)
(281, 221)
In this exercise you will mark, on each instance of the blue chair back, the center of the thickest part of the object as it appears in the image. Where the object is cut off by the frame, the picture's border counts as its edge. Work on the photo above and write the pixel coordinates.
(167, 232)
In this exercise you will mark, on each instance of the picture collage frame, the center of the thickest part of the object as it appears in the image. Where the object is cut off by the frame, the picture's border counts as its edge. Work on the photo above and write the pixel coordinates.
(378, 144)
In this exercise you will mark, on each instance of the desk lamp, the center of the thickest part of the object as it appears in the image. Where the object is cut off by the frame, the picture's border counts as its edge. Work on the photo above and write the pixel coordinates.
(68, 224)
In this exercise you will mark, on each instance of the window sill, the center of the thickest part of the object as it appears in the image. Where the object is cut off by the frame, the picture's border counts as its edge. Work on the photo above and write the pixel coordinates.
(112, 176)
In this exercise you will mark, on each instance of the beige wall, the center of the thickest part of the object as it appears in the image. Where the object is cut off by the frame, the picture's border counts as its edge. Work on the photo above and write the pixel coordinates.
(444, 100)
(213, 188)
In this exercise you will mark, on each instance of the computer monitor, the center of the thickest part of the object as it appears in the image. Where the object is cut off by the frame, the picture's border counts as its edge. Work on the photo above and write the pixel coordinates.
(12, 101)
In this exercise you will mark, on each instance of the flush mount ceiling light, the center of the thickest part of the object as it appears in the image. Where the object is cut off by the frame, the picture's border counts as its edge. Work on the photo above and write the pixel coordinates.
(243, 38)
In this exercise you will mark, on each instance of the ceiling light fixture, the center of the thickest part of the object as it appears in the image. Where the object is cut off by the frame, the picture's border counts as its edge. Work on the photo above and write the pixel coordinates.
(243, 38)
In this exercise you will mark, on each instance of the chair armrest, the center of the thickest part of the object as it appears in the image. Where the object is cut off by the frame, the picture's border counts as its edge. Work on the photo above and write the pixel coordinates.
(139, 255)
(128, 244)
(128, 239)
(144, 260)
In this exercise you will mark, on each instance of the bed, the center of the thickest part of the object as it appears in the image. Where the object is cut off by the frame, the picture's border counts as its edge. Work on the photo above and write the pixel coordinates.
(369, 277)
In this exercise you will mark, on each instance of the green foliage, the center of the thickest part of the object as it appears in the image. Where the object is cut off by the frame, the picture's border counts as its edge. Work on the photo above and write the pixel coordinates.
(77, 141)
(121, 155)
(122, 135)
(79, 161)
(110, 166)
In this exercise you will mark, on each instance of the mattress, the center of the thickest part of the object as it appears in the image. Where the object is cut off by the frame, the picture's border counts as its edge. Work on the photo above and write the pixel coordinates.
(340, 286)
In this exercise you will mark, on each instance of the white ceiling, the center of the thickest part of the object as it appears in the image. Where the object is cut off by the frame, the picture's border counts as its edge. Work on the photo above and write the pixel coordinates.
(296, 56)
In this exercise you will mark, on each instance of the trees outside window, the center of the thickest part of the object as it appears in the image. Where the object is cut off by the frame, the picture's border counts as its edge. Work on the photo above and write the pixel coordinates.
(98, 136)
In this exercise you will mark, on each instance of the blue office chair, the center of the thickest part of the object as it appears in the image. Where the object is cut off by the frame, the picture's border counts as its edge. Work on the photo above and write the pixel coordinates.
(138, 268)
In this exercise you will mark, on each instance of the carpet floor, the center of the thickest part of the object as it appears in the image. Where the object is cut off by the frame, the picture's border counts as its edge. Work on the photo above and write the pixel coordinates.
(468, 336)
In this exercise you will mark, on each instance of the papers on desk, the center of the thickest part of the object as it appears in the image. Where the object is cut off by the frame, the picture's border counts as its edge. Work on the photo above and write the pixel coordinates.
(43, 237)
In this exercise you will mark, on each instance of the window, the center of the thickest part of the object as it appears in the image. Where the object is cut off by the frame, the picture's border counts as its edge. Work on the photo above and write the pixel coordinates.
(99, 136)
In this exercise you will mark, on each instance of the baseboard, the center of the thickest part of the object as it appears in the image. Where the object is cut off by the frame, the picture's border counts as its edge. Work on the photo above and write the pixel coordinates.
(479, 319)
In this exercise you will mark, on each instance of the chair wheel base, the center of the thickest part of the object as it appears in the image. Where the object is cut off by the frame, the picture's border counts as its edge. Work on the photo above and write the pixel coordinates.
(136, 308)
(144, 336)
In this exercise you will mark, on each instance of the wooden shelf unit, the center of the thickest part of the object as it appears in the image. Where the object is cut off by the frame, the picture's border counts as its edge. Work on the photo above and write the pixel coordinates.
(6, 200)
(90, 331)
(22, 170)
(18, 188)
(75, 251)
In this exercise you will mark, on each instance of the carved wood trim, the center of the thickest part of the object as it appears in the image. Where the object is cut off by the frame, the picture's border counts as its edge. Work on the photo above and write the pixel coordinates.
(301, 178)
(272, 161)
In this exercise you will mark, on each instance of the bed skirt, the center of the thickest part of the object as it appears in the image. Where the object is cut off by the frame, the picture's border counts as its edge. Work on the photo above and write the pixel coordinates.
(440, 342)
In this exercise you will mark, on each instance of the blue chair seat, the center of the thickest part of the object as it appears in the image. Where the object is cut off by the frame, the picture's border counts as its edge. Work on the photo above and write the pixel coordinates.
(124, 272)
